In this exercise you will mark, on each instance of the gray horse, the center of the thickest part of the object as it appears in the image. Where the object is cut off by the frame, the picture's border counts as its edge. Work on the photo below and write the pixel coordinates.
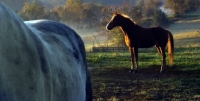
(41, 60)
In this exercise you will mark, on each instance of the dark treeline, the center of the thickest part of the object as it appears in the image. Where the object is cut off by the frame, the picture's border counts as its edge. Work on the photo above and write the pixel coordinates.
(143, 12)
(17, 4)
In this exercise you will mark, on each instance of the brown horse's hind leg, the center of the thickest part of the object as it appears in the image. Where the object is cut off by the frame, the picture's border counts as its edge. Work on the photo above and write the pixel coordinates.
(134, 58)
(159, 50)
(163, 59)
(162, 53)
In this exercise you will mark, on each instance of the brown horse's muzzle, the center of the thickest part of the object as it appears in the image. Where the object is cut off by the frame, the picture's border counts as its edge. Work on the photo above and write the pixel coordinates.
(108, 26)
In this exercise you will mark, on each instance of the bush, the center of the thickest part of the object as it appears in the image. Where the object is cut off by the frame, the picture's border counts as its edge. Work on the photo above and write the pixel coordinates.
(160, 19)
(32, 11)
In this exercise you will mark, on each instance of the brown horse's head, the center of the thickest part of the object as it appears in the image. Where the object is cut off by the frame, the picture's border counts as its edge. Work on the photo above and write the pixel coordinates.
(118, 20)
(115, 21)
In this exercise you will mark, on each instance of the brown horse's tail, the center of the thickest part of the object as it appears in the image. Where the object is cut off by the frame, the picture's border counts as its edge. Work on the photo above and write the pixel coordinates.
(170, 48)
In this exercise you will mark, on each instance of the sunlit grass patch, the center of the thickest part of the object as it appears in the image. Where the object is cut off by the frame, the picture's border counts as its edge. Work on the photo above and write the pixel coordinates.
(184, 57)
(187, 39)
(186, 35)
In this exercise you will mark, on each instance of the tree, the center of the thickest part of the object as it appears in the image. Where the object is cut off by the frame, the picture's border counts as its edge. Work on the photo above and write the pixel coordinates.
(160, 19)
(52, 15)
(105, 14)
(32, 11)
(151, 6)
(176, 6)
(89, 16)
(136, 14)
(191, 5)
(140, 5)
(66, 14)
(58, 9)
(74, 10)
(179, 7)
(118, 37)
(127, 8)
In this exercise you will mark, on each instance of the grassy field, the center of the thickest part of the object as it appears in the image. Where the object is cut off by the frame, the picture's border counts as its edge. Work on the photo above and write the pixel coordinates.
(111, 80)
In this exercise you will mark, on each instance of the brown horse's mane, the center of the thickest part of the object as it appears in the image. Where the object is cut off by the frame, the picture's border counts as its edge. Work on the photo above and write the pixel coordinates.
(127, 17)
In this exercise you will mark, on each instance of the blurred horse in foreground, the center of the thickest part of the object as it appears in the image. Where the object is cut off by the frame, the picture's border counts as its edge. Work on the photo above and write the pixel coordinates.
(41, 60)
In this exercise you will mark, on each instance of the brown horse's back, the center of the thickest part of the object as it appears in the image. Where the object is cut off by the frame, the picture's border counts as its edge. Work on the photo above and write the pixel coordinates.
(161, 36)
(147, 37)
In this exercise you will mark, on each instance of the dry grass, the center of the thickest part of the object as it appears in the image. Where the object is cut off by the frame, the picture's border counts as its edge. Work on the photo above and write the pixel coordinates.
(187, 39)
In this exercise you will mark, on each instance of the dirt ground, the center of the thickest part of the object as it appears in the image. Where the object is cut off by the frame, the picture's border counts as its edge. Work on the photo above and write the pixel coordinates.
(117, 84)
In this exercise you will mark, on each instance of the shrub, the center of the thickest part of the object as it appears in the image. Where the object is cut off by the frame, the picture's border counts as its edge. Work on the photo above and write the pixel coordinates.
(160, 19)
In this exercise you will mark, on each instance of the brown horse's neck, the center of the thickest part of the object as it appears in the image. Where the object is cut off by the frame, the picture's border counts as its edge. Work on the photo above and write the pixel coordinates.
(129, 26)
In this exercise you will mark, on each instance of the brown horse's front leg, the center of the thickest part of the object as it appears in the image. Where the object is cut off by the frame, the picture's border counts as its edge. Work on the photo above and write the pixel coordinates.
(134, 58)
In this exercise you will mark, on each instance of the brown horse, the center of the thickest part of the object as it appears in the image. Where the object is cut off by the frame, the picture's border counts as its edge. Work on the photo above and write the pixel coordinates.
(139, 37)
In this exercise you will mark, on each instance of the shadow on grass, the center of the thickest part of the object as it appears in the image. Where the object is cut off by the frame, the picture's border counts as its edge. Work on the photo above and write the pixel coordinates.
(145, 73)
(147, 84)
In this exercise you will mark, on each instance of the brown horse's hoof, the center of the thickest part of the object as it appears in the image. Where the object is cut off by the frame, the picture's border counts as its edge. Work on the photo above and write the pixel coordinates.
(161, 71)
(133, 71)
